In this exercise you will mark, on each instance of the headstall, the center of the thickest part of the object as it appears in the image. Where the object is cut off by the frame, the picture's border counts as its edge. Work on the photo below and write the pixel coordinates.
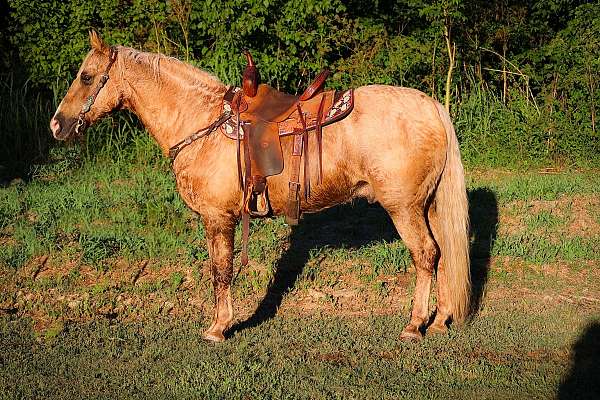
(92, 98)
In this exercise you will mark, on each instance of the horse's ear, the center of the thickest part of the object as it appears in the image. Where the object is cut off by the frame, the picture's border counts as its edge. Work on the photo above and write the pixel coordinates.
(97, 43)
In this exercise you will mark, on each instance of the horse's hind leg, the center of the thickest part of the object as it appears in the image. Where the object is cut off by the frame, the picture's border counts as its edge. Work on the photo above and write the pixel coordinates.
(443, 311)
(411, 224)
(220, 236)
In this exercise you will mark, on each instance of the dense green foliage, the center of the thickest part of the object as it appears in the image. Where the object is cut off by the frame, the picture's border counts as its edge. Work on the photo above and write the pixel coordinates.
(523, 90)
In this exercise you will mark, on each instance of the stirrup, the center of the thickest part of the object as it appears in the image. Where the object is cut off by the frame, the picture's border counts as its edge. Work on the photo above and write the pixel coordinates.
(257, 203)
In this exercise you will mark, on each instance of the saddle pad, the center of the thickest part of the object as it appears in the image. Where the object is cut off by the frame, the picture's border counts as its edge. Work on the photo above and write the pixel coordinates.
(343, 103)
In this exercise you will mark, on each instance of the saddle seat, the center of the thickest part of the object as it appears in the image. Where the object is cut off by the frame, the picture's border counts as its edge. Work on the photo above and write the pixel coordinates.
(269, 105)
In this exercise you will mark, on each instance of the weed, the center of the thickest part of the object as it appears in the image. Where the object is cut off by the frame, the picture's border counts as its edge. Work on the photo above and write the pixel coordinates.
(544, 219)
(175, 281)
(538, 249)
(53, 331)
(12, 256)
(99, 288)
(381, 288)
(387, 258)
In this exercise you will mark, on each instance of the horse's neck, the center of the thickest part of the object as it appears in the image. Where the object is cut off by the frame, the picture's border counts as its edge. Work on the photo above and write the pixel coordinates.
(172, 106)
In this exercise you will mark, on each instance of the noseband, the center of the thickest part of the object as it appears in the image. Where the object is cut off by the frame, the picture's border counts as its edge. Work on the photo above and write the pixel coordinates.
(92, 98)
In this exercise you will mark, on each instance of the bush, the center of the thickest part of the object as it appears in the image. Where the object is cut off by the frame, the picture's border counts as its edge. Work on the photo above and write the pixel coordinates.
(546, 114)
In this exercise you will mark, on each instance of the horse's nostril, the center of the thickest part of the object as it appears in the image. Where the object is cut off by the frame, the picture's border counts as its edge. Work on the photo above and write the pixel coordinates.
(55, 126)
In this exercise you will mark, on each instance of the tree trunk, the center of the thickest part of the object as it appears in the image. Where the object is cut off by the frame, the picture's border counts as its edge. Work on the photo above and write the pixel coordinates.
(451, 48)
(433, 93)
(504, 75)
(592, 84)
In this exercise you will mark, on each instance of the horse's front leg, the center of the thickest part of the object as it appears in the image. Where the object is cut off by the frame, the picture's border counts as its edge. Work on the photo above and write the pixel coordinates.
(220, 235)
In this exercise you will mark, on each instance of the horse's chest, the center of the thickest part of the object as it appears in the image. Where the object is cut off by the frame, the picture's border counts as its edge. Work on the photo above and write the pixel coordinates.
(188, 187)
(205, 187)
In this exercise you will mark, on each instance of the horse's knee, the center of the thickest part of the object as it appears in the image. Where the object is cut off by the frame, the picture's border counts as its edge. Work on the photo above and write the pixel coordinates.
(425, 262)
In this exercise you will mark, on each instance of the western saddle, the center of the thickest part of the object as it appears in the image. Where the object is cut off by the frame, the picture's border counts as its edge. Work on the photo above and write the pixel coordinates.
(261, 116)
(256, 116)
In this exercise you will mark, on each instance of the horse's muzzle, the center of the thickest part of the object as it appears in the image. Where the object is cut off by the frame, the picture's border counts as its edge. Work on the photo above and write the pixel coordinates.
(62, 128)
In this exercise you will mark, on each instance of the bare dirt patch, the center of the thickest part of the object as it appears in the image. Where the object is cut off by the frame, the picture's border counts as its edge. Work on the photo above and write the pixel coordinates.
(578, 211)
(551, 284)
(53, 293)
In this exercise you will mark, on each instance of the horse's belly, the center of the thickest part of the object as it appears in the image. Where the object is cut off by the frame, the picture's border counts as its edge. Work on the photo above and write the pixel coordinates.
(336, 188)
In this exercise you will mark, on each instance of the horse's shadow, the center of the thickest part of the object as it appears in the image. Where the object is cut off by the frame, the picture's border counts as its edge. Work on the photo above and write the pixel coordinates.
(483, 213)
(582, 380)
(354, 225)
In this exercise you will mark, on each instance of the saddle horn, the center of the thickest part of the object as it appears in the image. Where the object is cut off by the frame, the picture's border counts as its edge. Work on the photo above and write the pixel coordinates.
(250, 78)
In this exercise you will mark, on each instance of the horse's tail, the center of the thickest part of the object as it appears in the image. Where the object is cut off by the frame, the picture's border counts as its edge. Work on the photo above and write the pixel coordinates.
(452, 209)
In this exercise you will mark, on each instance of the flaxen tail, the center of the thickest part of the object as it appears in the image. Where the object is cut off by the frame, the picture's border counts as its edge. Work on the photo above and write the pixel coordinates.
(452, 209)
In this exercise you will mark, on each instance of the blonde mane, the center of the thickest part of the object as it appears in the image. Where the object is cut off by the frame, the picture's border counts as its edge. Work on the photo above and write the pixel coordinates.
(159, 63)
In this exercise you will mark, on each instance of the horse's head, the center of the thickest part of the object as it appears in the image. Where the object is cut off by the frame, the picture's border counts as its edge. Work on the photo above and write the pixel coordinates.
(91, 95)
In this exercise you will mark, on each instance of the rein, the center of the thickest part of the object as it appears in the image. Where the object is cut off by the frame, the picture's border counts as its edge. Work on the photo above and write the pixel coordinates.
(92, 98)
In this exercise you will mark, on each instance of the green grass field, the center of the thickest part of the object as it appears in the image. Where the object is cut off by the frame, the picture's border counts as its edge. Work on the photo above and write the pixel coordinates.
(105, 291)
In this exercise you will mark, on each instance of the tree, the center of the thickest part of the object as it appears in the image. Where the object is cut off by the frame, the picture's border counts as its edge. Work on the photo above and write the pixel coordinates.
(443, 15)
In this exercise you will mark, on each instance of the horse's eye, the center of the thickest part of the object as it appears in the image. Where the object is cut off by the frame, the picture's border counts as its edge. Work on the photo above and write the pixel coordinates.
(86, 78)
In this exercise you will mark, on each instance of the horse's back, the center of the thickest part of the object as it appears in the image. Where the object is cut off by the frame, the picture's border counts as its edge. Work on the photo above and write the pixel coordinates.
(388, 115)
(392, 132)
(393, 141)
(393, 138)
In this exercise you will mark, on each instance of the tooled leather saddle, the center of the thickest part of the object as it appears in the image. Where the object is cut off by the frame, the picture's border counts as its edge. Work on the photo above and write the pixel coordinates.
(261, 115)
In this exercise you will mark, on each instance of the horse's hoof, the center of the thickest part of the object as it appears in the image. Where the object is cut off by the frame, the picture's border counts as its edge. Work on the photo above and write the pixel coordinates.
(411, 334)
(215, 337)
(435, 329)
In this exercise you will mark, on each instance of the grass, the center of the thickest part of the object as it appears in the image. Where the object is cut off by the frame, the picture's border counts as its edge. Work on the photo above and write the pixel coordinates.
(126, 287)
(97, 216)
(329, 357)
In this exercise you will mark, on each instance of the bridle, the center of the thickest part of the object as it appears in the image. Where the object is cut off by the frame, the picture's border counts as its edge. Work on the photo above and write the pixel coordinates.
(174, 150)
(92, 98)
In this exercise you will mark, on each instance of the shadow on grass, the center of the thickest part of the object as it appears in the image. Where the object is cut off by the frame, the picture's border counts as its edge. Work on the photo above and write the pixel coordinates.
(483, 214)
(352, 226)
(346, 226)
(582, 381)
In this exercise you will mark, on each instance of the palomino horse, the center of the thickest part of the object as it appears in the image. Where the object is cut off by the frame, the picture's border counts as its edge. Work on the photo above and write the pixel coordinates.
(397, 147)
